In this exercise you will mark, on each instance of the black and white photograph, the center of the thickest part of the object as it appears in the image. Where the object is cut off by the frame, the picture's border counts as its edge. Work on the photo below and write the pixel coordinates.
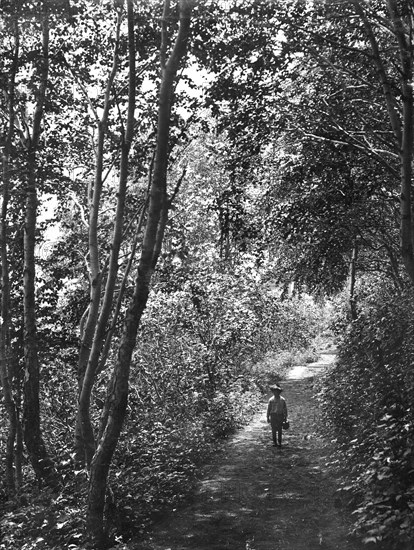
(207, 275)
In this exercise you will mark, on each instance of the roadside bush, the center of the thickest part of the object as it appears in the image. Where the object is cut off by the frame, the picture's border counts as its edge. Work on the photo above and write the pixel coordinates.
(367, 405)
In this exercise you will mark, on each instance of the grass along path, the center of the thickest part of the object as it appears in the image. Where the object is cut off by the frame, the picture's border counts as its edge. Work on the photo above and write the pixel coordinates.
(254, 496)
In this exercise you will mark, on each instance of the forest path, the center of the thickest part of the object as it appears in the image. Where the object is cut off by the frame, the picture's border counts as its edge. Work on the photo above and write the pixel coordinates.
(254, 496)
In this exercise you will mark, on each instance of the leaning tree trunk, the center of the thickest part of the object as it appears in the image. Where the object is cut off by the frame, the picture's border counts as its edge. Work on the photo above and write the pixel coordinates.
(117, 396)
(100, 326)
(41, 462)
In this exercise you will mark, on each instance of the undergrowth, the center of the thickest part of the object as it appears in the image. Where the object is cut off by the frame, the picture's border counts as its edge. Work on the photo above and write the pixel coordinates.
(191, 386)
(367, 404)
(154, 469)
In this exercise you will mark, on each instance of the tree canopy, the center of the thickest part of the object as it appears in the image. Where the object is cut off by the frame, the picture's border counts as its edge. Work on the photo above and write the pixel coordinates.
(170, 171)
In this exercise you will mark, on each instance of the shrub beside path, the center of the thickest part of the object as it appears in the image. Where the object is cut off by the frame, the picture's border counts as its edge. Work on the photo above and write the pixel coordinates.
(253, 496)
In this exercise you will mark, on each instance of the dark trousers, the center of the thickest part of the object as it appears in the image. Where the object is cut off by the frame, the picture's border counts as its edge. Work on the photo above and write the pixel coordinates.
(276, 421)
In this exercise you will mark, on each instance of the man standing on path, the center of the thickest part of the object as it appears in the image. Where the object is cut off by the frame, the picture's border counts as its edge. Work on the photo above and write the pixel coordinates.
(277, 414)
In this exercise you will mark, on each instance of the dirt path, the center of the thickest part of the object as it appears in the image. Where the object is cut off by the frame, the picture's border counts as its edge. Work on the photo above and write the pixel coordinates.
(258, 497)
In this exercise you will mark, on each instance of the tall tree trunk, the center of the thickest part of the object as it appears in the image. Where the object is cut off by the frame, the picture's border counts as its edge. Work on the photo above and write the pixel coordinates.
(84, 434)
(108, 299)
(117, 396)
(40, 460)
(403, 34)
(5, 347)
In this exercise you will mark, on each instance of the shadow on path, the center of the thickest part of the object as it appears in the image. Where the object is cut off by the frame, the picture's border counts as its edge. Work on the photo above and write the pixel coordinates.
(258, 497)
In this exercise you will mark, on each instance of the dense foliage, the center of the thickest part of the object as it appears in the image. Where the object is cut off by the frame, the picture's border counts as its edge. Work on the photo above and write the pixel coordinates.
(211, 168)
(204, 356)
(367, 401)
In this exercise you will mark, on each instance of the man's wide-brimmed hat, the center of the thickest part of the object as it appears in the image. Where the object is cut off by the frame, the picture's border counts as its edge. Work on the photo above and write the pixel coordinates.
(275, 387)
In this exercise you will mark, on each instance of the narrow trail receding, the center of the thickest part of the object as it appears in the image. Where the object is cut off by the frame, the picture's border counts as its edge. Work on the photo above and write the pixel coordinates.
(254, 496)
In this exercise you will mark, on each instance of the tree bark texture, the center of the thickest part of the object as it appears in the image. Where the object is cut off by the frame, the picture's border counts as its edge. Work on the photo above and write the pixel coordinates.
(97, 317)
(352, 279)
(403, 35)
(117, 396)
(40, 460)
(5, 347)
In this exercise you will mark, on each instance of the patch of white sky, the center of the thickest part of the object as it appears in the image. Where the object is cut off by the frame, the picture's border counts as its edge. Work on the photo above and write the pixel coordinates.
(47, 211)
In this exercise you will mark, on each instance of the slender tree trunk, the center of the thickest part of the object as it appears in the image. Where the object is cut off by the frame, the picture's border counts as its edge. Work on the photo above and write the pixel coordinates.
(116, 402)
(109, 335)
(108, 299)
(405, 45)
(352, 279)
(5, 348)
(19, 430)
(84, 434)
(41, 462)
